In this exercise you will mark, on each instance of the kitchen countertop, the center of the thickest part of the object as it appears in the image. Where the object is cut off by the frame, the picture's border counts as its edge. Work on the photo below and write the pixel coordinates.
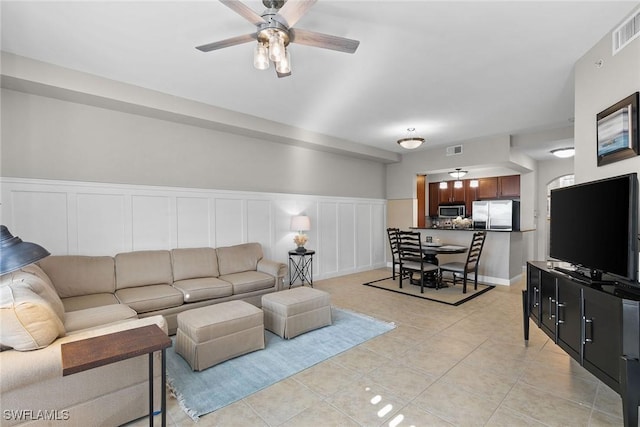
(469, 229)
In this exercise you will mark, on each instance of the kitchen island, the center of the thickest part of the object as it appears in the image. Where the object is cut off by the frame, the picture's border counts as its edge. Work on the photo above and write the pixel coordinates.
(502, 258)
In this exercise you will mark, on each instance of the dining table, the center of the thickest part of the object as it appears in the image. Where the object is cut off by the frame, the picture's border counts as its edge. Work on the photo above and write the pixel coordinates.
(431, 251)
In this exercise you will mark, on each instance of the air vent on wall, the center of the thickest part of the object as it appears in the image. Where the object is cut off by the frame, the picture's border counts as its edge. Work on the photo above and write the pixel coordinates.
(454, 150)
(626, 32)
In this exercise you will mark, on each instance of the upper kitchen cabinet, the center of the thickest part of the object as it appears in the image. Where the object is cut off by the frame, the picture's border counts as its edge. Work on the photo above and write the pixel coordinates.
(501, 187)
(451, 194)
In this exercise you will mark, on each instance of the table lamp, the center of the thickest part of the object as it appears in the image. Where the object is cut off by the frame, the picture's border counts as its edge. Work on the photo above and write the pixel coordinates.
(14, 253)
(300, 223)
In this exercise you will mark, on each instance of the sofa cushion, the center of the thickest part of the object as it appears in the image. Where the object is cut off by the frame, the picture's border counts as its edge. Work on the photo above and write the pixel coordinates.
(142, 268)
(204, 288)
(97, 316)
(193, 263)
(249, 281)
(74, 275)
(239, 258)
(150, 298)
(27, 319)
(82, 302)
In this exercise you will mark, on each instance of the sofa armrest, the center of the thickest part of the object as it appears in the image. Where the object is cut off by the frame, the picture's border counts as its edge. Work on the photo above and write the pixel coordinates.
(276, 269)
(21, 368)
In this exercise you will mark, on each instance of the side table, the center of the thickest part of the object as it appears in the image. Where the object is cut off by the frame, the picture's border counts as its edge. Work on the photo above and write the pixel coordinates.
(79, 356)
(301, 267)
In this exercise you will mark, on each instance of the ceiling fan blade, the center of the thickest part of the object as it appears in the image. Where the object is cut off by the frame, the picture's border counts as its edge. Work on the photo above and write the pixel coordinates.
(243, 10)
(325, 41)
(293, 10)
(228, 42)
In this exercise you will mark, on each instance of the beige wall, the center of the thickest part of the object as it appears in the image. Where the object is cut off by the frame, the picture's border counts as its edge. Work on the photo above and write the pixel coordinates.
(48, 138)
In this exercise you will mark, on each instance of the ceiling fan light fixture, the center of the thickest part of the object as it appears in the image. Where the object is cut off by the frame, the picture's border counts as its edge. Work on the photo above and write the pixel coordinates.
(276, 47)
(261, 57)
(564, 153)
(412, 141)
(284, 65)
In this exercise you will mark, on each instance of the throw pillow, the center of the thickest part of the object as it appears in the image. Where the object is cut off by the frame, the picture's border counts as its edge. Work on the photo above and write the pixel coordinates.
(27, 320)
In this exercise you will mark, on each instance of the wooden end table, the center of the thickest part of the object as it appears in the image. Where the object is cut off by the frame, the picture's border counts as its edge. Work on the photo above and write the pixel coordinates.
(79, 356)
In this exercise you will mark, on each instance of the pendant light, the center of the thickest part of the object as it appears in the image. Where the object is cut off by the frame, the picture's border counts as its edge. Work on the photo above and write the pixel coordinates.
(457, 174)
(411, 141)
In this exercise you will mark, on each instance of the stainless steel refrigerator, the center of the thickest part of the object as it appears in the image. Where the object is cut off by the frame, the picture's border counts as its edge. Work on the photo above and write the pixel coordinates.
(496, 215)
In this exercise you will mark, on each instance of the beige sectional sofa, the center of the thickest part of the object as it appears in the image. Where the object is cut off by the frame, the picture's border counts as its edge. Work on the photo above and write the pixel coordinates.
(67, 298)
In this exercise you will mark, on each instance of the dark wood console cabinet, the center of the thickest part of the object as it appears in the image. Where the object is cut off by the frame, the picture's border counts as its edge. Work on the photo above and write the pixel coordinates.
(598, 326)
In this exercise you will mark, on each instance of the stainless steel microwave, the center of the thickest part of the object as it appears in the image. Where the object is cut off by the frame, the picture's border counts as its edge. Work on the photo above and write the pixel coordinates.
(451, 211)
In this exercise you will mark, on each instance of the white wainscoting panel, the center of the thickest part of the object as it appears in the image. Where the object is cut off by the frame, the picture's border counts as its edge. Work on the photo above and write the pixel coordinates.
(42, 217)
(259, 224)
(327, 259)
(87, 218)
(193, 221)
(151, 220)
(229, 222)
(100, 224)
(346, 237)
(363, 234)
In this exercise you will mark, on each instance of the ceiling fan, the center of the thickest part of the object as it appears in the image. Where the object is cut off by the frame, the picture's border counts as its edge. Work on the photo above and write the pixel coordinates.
(274, 32)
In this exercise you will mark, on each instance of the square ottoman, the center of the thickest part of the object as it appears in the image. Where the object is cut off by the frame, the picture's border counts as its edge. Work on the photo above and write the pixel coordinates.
(209, 335)
(292, 312)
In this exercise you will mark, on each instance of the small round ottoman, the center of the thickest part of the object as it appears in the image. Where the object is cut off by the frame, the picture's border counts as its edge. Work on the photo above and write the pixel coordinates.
(209, 335)
(292, 312)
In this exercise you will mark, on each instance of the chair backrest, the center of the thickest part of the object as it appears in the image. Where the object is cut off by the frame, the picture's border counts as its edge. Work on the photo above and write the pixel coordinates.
(477, 243)
(394, 240)
(410, 247)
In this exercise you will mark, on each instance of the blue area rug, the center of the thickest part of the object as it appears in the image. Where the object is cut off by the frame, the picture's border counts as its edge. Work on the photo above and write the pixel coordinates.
(202, 392)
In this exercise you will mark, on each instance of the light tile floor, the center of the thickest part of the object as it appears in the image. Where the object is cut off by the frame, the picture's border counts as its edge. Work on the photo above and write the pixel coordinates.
(441, 366)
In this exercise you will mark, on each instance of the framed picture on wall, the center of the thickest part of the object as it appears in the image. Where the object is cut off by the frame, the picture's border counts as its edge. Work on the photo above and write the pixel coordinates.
(618, 131)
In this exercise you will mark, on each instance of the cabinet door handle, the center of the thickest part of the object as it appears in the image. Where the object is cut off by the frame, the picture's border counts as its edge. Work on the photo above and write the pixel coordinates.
(585, 322)
(536, 297)
(560, 305)
(552, 313)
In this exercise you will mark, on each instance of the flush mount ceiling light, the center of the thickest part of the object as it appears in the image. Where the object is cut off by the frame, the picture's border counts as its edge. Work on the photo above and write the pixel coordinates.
(411, 141)
(457, 174)
(274, 32)
(563, 153)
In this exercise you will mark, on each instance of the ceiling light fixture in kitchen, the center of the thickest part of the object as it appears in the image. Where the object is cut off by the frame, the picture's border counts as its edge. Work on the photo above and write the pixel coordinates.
(457, 174)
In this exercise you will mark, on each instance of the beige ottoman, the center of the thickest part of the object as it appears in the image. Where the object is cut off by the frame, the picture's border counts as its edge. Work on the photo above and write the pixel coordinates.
(295, 311)
(209, 335)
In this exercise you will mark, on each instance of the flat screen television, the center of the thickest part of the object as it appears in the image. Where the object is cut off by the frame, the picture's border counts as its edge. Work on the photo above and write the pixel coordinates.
(594, 226)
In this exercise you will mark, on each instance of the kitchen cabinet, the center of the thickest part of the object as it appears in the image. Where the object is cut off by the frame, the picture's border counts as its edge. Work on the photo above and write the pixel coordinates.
(598, 325)
(499, 187)
(434, 198)
(451, 194)
(447, 195)
(488, 188)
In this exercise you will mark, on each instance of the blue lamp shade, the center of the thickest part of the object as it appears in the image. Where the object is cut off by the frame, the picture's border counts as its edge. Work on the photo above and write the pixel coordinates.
(14, 253)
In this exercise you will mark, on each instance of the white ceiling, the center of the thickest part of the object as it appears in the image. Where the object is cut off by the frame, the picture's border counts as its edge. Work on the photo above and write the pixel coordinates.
(453, 70)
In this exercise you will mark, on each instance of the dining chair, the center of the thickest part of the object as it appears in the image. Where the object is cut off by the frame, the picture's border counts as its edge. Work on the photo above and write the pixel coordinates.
(412, 258)
(393, 244)
(470, 265)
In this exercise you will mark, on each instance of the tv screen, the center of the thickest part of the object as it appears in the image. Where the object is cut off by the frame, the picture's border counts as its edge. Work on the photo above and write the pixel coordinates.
(594, 225)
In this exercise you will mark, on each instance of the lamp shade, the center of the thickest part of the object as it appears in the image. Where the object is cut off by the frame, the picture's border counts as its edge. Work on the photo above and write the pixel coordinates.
(14, 253)
(300, 223)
